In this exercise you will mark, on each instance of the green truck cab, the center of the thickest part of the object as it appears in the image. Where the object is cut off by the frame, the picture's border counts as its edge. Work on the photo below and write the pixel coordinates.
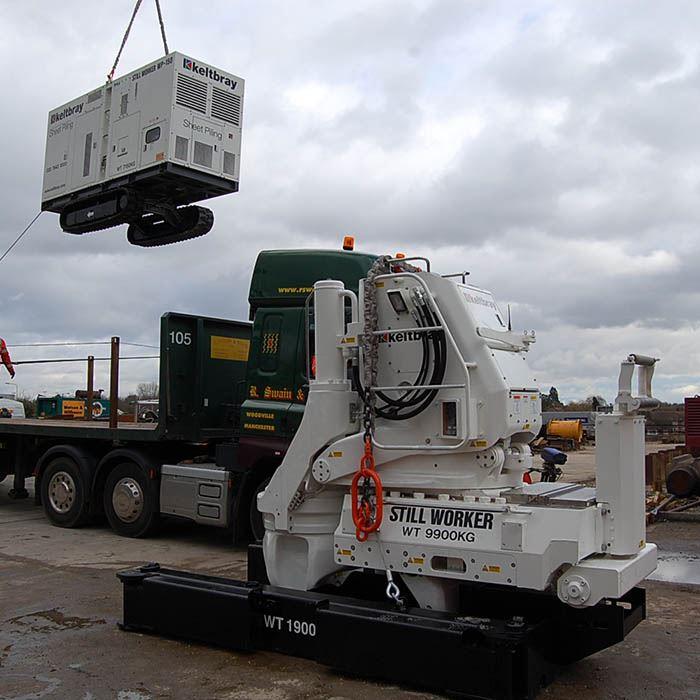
(277, 381)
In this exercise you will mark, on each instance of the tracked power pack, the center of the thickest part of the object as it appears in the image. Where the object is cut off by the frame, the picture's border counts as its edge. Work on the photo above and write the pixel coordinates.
(141, 149)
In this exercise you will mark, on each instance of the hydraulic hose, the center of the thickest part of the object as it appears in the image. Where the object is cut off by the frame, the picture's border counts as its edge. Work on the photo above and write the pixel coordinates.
(439, 367)
(415, 400)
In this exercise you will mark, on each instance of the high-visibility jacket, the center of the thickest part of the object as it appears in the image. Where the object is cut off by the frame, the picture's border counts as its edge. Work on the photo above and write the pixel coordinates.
(5, 357)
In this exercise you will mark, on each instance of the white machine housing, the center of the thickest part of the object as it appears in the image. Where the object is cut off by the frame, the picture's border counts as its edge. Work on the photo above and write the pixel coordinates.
(12, 406)
(175, 110)
(455, 506)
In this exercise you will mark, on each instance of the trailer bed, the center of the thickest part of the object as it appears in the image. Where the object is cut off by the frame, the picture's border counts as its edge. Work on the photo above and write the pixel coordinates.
(202, 385)
(100, 430)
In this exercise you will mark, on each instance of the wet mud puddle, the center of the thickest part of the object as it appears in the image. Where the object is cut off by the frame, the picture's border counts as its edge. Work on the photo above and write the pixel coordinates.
(677, 567)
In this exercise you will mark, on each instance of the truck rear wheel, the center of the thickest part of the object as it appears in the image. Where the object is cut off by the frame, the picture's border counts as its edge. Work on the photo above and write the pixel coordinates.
(64, 493)
(129, 502)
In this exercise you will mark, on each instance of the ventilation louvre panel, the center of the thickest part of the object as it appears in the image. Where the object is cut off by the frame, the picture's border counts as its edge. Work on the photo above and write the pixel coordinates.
(692, 418)
(191, 93)
(226, 106)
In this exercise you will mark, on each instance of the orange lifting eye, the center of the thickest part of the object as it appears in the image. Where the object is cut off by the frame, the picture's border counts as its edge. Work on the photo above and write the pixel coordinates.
(349, 243)
(400, 256)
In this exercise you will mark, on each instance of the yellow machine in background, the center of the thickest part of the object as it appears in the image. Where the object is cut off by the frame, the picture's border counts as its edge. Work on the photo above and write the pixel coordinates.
(566, 430)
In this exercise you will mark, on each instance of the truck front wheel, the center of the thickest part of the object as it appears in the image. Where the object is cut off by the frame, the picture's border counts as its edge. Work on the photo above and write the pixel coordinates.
(129, 502)
(64, 493)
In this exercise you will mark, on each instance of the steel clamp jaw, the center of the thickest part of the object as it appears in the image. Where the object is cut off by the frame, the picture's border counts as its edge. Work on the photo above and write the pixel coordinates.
(625, 402)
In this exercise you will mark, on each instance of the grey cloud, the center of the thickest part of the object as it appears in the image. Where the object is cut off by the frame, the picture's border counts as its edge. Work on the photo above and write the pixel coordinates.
(585, 133)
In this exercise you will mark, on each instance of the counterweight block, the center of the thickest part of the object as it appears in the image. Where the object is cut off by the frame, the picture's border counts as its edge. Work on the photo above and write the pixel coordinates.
(503, 645)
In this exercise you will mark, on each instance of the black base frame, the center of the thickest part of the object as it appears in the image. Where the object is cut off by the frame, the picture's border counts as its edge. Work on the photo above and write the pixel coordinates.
(502, 645)
(169, 182)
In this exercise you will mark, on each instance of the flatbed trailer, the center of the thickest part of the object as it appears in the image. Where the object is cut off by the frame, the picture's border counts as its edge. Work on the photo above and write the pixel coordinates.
(180, 466)
(70, 428)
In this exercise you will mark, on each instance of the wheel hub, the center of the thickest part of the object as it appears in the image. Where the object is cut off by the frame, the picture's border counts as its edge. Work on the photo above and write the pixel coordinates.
(127, 500)
(62, 492)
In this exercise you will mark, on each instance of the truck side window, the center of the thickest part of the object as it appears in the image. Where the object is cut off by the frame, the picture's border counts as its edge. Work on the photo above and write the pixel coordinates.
(270, 343)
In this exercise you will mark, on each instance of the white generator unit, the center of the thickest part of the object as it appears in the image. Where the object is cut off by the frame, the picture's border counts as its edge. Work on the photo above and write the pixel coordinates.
(143, 147)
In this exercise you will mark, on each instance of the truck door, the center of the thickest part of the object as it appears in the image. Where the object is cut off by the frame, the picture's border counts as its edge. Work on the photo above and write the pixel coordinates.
(272, 373)
(304, 364)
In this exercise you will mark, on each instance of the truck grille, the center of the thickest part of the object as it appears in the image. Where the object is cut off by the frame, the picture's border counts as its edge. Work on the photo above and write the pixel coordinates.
(226, 106)
(191, 93)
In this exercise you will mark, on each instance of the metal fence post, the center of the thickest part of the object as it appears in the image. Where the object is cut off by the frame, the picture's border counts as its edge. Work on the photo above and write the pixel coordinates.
(90, 386)
(114, 384)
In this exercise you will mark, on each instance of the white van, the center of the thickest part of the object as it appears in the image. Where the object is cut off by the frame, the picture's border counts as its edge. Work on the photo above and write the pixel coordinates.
(15, 408)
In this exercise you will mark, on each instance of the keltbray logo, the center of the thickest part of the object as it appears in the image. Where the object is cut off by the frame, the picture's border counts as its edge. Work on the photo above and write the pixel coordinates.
(400, 337)
(207, 72)
(66, 112)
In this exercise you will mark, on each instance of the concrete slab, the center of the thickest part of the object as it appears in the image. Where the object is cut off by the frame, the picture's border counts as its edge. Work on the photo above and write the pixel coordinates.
(60, 603)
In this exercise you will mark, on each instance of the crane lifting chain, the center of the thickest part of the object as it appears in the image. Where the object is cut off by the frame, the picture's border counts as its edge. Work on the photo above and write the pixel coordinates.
(110, 75)
(366, 488)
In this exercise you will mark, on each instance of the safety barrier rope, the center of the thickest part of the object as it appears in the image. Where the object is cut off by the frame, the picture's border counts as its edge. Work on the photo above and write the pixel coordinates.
(79, 343)
(83, 359)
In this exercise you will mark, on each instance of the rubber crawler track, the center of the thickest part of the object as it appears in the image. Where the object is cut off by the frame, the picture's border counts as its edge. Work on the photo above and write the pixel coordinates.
(200, 222)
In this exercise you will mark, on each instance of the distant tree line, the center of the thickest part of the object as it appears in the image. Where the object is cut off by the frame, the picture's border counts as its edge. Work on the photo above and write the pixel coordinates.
(552, 402)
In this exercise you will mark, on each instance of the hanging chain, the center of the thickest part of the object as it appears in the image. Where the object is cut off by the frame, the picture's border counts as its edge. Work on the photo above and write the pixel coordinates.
(370, 342)
(368, 497)
(137, 6)
(366, 488)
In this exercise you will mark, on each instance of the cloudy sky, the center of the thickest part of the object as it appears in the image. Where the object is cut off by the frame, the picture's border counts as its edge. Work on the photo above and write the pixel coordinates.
(550, 148)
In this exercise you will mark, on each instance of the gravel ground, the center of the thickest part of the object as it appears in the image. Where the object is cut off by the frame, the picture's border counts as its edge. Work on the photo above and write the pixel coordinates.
(60, 604)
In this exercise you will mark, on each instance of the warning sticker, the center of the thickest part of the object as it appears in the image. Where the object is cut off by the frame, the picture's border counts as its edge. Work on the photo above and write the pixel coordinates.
(224, 348)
